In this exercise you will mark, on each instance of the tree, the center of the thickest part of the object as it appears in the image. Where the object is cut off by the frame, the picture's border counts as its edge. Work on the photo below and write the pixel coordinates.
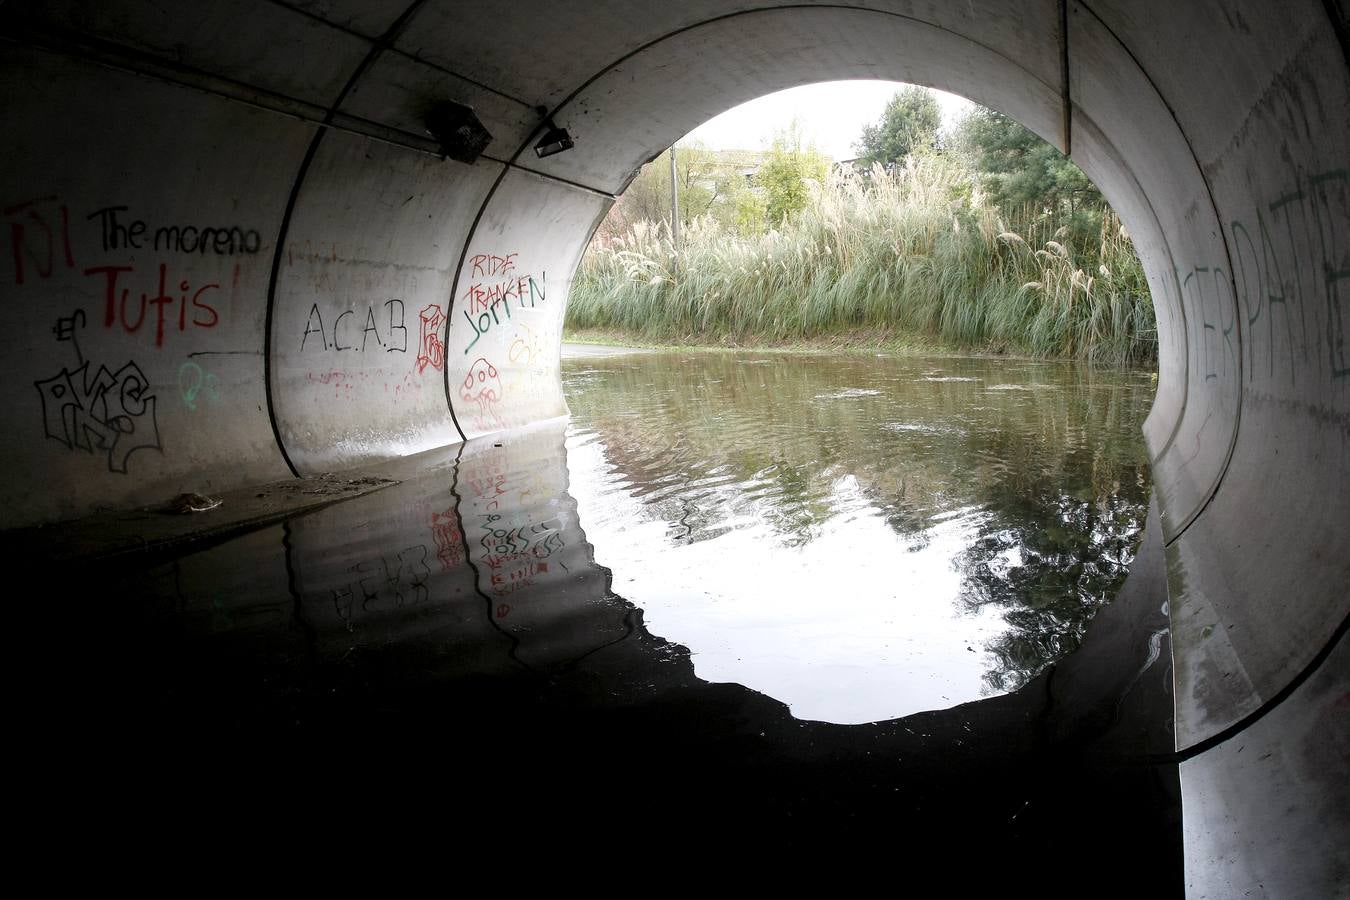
(908, 125)
(1018, 168)
(1030, 179)
(786, 172)
(706, 187)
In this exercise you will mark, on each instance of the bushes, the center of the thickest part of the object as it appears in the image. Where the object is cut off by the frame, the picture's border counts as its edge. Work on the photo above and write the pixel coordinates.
(915, 252)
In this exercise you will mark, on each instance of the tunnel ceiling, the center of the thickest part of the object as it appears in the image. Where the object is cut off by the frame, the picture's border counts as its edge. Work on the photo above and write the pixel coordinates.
(236, 253)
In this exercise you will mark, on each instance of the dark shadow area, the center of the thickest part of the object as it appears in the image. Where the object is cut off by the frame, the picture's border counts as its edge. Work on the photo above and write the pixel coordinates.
(441, 667)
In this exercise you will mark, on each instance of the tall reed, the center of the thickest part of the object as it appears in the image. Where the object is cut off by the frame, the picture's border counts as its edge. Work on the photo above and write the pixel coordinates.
(913, 253)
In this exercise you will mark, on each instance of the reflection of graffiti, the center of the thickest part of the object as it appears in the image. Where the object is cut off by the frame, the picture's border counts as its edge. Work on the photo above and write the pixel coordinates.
(445, 532)
(516, 554)
(389, 583)
(110, 412)
(431, 349)
(195, 383)
(483, 387)
(488, 484)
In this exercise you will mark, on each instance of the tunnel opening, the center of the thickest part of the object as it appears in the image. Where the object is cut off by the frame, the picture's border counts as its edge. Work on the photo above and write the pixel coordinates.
(974, 234)
(991, 559)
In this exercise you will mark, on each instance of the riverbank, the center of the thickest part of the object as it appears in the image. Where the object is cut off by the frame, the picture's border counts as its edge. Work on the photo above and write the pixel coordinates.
(579, 342)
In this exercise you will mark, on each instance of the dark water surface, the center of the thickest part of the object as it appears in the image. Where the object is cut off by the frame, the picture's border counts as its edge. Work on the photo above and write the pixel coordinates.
(755, 610)
(861, 537)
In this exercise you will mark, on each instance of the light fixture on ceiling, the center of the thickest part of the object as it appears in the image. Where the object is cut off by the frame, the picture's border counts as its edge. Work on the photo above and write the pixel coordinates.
(457, 130)
(555, 140)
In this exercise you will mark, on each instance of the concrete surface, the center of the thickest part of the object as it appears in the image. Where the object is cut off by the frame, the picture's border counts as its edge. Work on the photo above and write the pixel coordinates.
(234, 253)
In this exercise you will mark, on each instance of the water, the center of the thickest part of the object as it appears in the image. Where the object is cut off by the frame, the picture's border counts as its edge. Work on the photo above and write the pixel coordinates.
(634, 640)
(860, 537)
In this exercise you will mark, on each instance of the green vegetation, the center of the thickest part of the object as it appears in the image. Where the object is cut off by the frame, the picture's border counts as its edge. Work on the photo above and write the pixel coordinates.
(997, 244)
(786, 176)
(908, 125)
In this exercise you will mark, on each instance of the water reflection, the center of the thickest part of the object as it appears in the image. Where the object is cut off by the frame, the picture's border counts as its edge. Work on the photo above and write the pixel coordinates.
(858, 538)
(448, 656)
(477, 558)
(861, 537)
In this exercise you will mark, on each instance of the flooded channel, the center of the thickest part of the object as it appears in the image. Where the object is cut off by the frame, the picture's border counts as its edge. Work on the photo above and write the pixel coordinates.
(737, 604)
(861, 537)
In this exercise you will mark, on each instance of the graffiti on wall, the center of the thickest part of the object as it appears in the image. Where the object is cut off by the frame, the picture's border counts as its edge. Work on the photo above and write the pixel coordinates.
(1205, 290)
(199, 314)
(494, 288)
(39, 238)
(366, 327)
(482, 387)
(108, 414)
(369, 334)
(1280, 292)
(525, 347)
(197, 386)
(135, 234)
(341, 384)
(430, 345)
(1295, 304)
(40, 243)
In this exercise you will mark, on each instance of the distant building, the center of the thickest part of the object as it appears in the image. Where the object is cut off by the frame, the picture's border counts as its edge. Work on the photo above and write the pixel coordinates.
(860, 166)
(743, 163)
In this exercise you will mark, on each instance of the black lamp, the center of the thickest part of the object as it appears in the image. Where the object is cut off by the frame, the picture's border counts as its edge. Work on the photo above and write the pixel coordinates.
(555, 140)
(457, 130)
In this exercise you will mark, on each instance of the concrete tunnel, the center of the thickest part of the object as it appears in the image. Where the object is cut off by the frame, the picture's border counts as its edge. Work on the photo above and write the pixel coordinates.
(235, 253)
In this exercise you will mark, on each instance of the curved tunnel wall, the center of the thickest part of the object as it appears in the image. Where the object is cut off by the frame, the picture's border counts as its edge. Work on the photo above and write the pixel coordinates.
(233, 252)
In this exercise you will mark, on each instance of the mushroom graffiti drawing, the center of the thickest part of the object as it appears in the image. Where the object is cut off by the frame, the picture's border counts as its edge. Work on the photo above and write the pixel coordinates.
(482, 386)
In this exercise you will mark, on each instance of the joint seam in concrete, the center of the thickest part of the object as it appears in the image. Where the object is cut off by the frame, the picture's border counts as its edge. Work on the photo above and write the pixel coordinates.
(1232, 280)
(1339, 27)
(1066, 127)
(1270, 705)
(454, 287)
(376, 48)
(1180, 309)
(473, 566)
(122, 59)
(1171, 259)
(399, 52)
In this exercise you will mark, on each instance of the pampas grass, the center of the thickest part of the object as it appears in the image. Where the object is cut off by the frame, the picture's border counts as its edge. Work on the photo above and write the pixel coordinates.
(915, 252)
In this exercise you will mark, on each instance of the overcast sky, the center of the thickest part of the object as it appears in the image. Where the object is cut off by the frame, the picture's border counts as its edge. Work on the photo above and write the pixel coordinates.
(832, 114)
